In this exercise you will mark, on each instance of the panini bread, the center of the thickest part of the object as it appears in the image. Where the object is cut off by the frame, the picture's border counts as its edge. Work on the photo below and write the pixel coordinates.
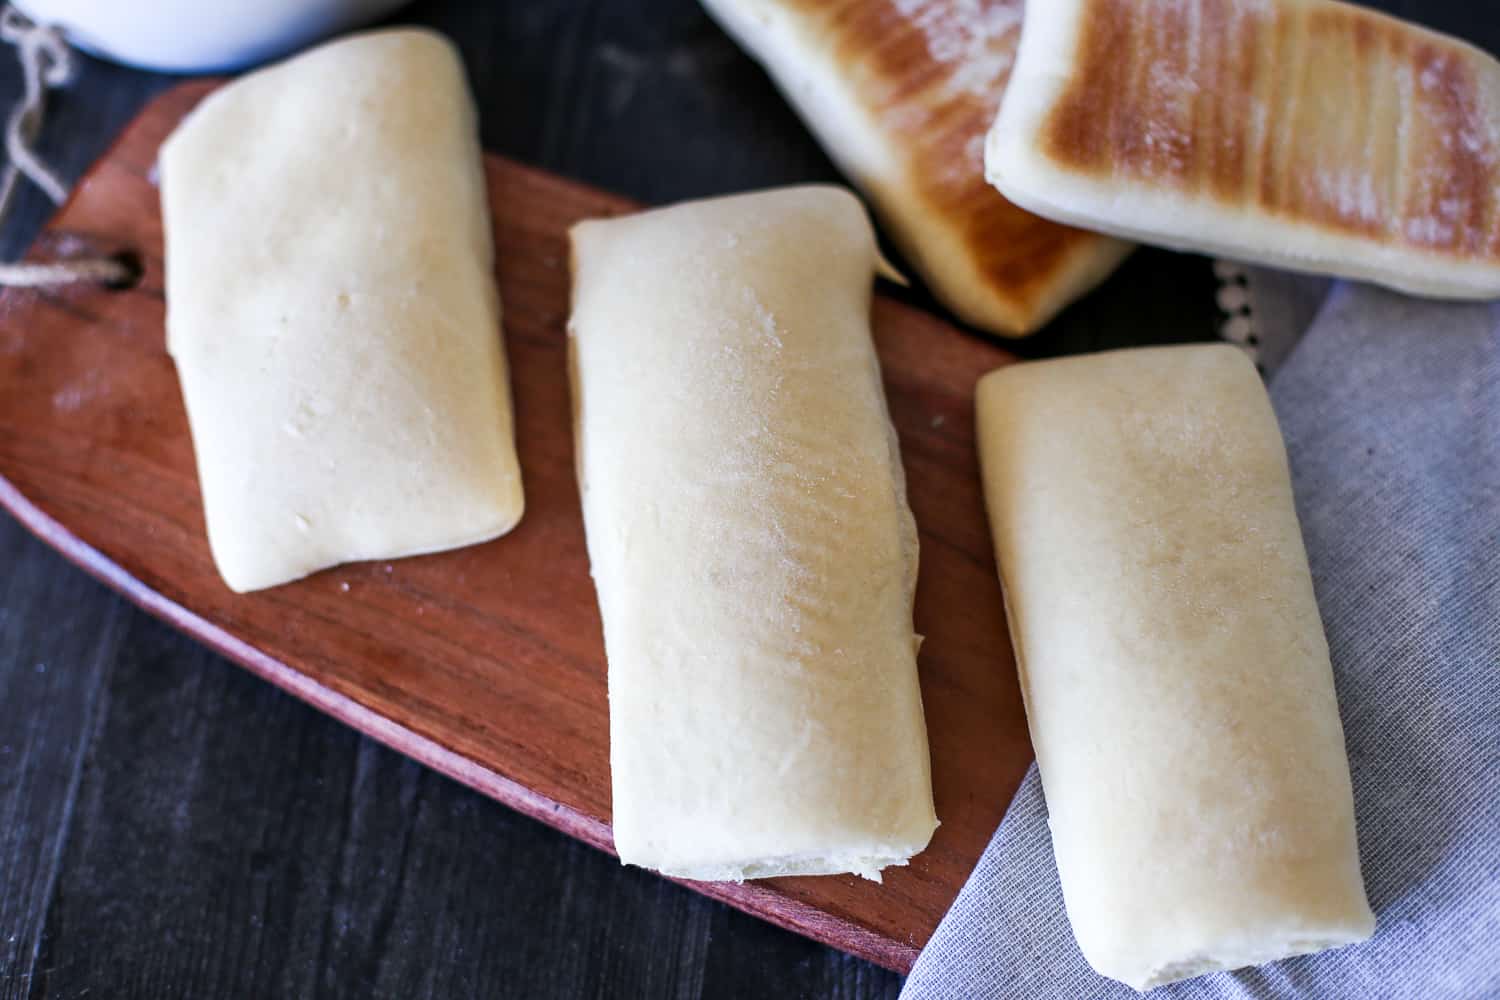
(332, 311)
(900, 93)
(1305, 134)
(750, 539)
(1175, 673)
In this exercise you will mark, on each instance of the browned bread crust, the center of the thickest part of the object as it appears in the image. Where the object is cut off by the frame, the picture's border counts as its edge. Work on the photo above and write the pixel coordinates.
(1357, 143)
(901, 93)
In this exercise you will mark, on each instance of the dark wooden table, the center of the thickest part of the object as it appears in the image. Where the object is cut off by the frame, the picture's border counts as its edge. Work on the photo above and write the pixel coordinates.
(171, 826)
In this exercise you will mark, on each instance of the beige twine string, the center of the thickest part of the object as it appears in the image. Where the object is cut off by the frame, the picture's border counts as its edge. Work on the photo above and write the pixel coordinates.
(46, 62)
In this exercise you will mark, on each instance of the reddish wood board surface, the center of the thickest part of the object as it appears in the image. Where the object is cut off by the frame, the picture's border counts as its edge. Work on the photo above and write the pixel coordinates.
(486, 663)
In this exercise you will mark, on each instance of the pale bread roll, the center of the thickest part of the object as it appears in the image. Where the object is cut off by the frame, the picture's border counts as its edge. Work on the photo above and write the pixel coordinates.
(1304, 134)
(901, 95)
(751, 543)
(331, 308)
(1173, 666)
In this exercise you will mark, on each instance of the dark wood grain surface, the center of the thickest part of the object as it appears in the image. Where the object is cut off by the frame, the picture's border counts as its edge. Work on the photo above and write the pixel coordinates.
(171, 826)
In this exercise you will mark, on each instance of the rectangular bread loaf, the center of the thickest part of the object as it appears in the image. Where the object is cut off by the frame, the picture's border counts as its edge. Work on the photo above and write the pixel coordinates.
(1174, 669)
(750, 540)
(1305, 134)
(901, 96)
(332, 312)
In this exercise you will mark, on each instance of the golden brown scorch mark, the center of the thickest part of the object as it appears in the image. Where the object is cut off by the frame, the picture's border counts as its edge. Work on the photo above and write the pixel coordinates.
(1328, 114)
(933, 73)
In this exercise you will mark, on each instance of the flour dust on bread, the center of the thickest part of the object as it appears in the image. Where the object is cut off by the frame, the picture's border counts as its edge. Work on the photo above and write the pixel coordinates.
(1304, 134)
(332, 311)
(901, 93)
(1172, 662)
(750, 540)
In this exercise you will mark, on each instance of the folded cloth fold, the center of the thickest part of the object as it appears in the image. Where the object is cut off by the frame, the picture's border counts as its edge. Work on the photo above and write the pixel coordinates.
(1391, 411)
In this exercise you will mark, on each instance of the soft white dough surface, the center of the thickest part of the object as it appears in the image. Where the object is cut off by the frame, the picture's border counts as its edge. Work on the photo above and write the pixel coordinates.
(1174, 669)
(751, 543)
(332, 311)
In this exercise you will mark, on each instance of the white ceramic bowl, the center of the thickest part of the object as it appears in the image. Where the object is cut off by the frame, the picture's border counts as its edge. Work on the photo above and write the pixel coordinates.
(200, 36)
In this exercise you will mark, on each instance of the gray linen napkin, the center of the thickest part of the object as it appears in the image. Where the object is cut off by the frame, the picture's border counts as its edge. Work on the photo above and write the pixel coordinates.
(1391, 411)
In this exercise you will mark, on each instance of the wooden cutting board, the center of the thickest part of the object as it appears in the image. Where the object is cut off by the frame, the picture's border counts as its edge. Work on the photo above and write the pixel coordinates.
(486, 663)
